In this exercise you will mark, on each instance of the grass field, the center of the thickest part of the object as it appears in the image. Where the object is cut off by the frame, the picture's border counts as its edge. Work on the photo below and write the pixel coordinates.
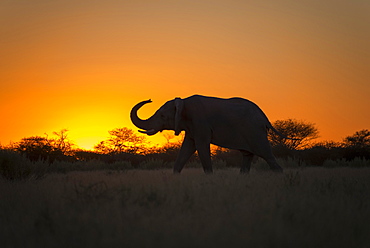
(304, 207)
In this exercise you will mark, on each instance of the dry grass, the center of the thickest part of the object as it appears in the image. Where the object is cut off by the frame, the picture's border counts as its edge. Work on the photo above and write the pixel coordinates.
(309, 207)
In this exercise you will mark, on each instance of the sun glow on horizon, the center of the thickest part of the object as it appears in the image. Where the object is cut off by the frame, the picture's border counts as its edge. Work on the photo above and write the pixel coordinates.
(88, 143)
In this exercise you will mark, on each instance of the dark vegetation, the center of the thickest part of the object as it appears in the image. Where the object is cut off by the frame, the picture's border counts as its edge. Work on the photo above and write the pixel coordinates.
(304, 207)
(124, 149)
(112, 197)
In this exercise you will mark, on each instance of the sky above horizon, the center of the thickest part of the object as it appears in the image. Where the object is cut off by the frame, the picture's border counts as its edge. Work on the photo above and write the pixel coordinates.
(82, 65)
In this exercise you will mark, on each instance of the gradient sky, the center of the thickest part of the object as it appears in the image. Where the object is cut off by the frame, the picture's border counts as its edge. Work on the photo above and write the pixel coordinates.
(82, 65)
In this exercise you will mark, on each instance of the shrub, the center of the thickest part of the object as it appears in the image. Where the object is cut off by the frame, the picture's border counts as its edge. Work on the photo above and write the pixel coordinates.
(359, 162)
(286, 163)
(153, 164)
(219, 164)
(120, 165)
(14, 166)
(292, 162)
(355, 163)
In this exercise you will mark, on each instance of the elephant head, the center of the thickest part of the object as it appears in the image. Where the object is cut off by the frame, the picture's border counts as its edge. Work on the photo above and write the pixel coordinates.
(167, 117)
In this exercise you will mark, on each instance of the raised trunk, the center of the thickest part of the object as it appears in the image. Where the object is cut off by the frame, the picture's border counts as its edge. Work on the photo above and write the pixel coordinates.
(143, 124)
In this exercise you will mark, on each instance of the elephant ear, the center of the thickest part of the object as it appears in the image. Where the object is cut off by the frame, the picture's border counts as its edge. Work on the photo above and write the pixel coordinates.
(179, 105)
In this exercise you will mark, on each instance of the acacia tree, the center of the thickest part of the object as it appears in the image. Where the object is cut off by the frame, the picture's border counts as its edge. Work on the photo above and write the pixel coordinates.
(37, 147)
(62, 143)
(122, 140)
(359, 139)
(300, 132)
(357, 145)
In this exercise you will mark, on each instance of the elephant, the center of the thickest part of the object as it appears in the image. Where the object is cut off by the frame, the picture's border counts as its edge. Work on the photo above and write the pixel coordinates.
(233, 123)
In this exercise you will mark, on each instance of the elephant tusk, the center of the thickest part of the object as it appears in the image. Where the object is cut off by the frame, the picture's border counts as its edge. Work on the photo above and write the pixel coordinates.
(148, 132)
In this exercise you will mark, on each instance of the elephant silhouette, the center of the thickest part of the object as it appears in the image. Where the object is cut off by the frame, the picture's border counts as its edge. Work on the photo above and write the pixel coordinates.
(234, 123)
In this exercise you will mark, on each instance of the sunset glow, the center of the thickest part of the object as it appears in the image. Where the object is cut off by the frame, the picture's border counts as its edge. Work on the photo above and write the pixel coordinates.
(82, 65)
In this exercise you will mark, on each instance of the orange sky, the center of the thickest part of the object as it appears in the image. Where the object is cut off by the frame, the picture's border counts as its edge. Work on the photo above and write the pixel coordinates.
(82, 65)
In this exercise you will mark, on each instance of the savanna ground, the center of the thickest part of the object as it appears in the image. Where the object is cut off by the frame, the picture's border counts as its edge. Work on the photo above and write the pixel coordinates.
(303, 207)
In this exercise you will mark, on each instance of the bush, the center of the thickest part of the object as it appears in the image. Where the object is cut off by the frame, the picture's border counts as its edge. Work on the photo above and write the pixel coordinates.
(354, 163)
(91, 165)
(232, 158)
(219, 164)
(285, 163)
(153, 164)
(14, 166)
(292, 163)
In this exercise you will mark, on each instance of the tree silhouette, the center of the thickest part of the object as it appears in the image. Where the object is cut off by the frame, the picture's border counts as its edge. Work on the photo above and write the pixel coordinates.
(359, 139)
(321, 151)
(122, 140)
(62, 143)
(301, 133)
(35, 147)
(357, 145)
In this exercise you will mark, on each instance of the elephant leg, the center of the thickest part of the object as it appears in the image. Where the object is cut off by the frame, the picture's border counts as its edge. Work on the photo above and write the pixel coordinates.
(204, 154)
(187, 149)
(264, 151)
(273, 164)
(271, 160)
(247, 161)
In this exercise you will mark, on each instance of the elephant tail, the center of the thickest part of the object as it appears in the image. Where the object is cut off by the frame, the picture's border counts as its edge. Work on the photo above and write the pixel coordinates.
(271, 127)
